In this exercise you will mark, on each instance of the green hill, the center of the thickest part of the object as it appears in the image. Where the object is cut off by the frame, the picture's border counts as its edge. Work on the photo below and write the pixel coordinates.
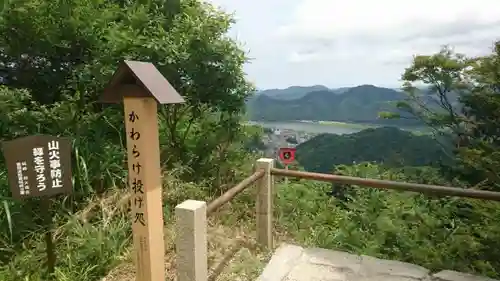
(388, 145)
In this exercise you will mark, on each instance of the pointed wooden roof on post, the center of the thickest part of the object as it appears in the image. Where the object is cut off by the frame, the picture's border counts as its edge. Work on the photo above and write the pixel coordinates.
(144, 75)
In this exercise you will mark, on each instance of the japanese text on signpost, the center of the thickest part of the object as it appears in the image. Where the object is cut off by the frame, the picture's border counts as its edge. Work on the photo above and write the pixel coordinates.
(136, 182)
(55, 164)
(22, 179)
(38, 166)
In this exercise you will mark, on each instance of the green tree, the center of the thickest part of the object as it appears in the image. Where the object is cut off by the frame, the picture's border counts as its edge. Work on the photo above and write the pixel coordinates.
(431, 86)
(479, 152)
(59, 48)
(460, 103)
(55, 59)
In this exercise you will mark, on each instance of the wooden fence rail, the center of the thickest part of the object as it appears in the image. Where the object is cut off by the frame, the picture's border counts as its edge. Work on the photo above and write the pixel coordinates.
(231, 193)
(385, 184)
(191, 215)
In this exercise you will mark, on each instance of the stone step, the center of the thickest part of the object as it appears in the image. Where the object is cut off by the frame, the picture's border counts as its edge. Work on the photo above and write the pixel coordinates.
(294, 263)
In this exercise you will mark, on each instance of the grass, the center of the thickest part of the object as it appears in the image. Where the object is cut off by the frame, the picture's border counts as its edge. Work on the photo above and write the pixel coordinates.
(233, 253)
(88, 244)
(95, 243)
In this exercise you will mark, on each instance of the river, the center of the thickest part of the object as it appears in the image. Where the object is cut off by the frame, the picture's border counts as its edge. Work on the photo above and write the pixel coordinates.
(309, 127)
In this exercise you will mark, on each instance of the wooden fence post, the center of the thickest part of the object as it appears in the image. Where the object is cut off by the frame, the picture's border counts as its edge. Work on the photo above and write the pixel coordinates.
(191, 241)
(265, 203)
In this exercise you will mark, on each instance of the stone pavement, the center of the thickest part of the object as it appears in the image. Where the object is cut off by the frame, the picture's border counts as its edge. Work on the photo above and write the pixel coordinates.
(294, 263)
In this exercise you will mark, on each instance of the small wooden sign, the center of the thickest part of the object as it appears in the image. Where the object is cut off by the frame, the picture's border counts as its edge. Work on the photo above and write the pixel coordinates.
(287, 155)
(38, 166)
(140, 86)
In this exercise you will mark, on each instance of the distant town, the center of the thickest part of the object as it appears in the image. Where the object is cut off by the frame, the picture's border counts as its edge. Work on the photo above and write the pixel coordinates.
(275, 138)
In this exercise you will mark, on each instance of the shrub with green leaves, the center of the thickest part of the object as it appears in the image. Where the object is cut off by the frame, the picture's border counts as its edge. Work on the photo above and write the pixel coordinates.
(437, 233)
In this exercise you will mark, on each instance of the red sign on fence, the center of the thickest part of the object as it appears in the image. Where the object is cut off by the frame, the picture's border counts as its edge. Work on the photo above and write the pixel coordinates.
(287, 155)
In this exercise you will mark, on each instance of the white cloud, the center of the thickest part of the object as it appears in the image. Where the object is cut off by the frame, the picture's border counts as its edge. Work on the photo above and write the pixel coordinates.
(387, 29)
(351, 42)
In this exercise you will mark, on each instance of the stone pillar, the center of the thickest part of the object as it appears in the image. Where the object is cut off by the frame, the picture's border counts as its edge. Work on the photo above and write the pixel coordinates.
(191, 241)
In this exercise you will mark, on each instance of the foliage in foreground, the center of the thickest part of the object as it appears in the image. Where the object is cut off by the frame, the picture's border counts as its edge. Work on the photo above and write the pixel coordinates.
(437, 233)
(96, 239)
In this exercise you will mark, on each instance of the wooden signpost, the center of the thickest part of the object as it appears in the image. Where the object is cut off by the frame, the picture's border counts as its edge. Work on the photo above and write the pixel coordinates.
(287, 156)
(40, 166)
(141, 86)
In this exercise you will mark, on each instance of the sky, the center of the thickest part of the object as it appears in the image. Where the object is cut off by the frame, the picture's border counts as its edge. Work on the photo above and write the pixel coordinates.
(340, 43)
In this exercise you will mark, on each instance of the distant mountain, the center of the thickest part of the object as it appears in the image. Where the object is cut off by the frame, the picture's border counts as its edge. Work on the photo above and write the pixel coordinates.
(293, 92)
(358, 104)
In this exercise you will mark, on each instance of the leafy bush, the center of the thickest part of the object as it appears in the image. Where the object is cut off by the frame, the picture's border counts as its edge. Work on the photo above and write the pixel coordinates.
(437, 233)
